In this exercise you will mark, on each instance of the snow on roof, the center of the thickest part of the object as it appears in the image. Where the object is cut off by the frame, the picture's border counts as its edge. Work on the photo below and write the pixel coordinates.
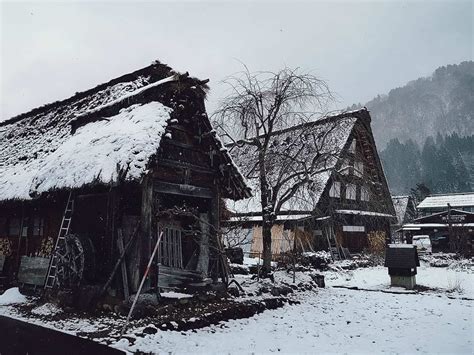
(364, 213)
(129, 95)
(96, 153)
(400, 203)
(99, 151)
(435, 225)
(289, 217)
(96, 136)
(332, 135)
(455, 200)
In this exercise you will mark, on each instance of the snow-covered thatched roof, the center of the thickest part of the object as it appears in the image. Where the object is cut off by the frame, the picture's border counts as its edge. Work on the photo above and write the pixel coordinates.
(455, 200)
(101, 136)
(328, 137)
(400, 203)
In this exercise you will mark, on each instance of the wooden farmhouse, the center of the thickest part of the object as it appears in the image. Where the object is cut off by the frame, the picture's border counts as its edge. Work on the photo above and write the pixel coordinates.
(346, 207)
(111, 169)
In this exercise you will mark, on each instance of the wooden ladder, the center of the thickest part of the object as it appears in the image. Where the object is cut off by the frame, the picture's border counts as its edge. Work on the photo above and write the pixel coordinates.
(63, 231)
(332, 244)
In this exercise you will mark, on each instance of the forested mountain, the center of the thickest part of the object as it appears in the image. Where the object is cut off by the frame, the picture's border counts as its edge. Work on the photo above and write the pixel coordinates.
(441, 103)
(424, 131)
(443, 164)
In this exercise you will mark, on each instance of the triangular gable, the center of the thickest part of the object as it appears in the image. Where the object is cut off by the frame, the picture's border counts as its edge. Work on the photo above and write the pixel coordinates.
(307, 198)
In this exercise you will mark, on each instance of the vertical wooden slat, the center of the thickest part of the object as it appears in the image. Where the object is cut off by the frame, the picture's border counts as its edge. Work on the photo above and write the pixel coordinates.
(175, 261)
(170, 233)
(180, 250)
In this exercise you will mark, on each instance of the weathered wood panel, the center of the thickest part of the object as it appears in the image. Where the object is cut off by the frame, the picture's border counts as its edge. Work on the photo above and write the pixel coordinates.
(33, 270)
(2, 262)
(182, 189)
(176, 278)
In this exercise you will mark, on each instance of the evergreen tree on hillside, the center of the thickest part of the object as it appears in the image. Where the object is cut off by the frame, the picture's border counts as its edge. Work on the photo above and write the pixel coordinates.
(429, 163)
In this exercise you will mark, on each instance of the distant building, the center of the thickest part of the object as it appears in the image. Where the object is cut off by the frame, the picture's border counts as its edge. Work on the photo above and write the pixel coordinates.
(455, 225)
(448, 220)
(439, 203)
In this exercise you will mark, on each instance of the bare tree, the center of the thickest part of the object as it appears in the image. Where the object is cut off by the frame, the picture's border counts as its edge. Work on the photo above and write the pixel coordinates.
(284, 163)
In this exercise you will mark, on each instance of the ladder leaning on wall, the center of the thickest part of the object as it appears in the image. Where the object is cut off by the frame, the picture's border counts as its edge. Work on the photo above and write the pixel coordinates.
(333, 246)
(63, 231)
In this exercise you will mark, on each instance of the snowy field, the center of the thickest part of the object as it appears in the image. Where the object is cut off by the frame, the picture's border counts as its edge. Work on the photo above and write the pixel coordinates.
(338, 320)
(333, 321)
(439, 319)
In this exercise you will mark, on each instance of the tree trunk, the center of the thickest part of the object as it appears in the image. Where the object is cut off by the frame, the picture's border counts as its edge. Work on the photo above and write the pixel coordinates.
(267, 218)
(267, 242)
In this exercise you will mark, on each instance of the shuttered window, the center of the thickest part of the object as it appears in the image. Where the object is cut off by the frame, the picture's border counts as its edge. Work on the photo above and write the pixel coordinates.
(171, 250)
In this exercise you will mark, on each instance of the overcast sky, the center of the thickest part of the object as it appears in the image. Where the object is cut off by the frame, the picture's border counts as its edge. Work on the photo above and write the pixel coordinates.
(49, 51)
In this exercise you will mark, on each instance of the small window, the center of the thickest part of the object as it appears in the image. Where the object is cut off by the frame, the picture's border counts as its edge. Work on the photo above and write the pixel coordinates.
(351, 190)
(38, 226)
(346, 165)
(359, 168)
(3, 227)
(335, 190)
(14, 226)
(352, 147)
(364, 193)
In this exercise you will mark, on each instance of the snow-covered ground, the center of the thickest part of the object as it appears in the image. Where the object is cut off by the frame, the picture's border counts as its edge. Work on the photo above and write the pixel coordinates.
(333, 321)
(376, 278)
(329, 320)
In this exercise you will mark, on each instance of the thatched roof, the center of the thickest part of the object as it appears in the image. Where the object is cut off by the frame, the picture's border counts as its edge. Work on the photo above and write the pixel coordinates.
(328, 136)
(104, 135)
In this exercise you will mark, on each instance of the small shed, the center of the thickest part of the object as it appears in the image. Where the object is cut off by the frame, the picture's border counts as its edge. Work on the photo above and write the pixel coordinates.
(402, 260)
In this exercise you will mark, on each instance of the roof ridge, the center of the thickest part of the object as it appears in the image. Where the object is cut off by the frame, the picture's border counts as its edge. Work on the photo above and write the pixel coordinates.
(320, 121)
(452, 194)
(82, 94)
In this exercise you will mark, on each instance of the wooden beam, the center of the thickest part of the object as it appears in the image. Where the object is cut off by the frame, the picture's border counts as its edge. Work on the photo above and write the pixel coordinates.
(180, 164)
(182, 189)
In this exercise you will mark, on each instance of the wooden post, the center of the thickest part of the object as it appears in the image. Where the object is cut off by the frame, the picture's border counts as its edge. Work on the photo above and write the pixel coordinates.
(144, 244)
(121, 250)
(145, 274)
(203, 260)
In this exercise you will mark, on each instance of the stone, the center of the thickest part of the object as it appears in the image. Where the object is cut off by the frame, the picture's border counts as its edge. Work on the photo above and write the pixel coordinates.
(408, 282)
(150, 330)
(318, 279)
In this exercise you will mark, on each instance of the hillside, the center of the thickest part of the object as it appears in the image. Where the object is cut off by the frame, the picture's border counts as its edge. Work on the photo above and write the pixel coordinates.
(441, 103)
(424, 131)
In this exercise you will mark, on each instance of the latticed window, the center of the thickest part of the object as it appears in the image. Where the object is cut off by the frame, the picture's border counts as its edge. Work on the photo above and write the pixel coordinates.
(352, 147)
(358, 168)
(364, 193)
(346, 165)
(38, 226)
(170, 252)
(14, 226)
(335, 190)
(351, 191)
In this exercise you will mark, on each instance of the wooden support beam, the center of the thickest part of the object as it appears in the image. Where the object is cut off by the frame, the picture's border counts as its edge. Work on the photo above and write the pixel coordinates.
(182, 189)
(183, 165)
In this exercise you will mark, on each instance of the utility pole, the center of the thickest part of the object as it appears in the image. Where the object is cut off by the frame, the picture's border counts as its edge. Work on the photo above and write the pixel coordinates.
(450, 231)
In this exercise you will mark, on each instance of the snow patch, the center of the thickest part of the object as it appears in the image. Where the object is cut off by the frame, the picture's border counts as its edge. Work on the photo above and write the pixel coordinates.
(47, 309)
(12, 296)
(177, 295)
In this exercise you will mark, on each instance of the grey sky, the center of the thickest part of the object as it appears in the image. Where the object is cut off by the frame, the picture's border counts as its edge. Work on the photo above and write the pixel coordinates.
(51, 50)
